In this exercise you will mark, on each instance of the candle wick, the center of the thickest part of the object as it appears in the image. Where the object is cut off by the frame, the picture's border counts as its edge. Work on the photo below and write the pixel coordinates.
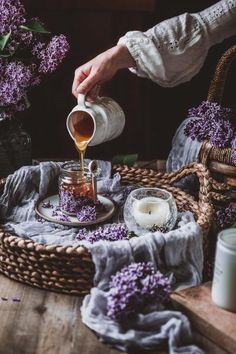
(149, 212)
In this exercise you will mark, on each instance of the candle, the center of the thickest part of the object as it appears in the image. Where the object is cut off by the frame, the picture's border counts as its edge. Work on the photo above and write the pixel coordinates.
(150, 211)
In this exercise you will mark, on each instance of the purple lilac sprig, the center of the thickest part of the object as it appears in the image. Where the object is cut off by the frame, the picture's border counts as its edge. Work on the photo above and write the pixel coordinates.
(51, 55)
(133, 287)
(107, 233)
(87, 213)
(225, 216)
(210, 122)
(83, 207)
(72, 203)
(37, 53)
(47, 205)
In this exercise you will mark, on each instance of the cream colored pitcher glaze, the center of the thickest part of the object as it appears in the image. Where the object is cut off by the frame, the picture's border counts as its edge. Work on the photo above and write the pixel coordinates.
(108, 118)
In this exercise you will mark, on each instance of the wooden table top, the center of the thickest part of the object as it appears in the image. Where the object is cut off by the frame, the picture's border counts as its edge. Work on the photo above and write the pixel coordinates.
(43, 322)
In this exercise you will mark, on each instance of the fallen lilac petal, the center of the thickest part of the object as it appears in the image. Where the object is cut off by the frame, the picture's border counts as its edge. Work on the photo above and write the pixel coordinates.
(4, 298)
(16, 299)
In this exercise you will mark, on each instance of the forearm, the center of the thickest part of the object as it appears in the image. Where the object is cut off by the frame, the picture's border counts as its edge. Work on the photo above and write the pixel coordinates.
(123, 57)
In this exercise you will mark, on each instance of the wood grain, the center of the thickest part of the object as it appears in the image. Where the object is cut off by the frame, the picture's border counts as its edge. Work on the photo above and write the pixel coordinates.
(218, 325)
(44, 322)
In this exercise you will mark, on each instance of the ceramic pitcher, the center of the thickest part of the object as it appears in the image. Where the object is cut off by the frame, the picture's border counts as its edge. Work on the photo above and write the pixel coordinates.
(108, 118)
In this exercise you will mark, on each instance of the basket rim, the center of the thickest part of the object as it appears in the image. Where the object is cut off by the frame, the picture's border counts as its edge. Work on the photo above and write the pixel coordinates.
(24, 243)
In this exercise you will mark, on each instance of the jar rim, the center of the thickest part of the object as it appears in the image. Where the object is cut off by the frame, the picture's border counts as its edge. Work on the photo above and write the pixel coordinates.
(167, 195)
(227, 238)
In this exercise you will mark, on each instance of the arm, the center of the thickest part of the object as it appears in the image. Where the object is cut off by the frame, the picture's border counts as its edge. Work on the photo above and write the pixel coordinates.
(100, 69)
(170, 53)
(174, 50)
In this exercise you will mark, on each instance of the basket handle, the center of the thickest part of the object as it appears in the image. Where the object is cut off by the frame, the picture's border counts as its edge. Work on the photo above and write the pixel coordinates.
(216, 89)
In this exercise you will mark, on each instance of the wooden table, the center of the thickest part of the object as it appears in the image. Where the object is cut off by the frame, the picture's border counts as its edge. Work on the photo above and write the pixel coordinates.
(44, 322)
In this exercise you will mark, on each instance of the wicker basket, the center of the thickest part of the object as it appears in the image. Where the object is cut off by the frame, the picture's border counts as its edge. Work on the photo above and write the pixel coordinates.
(70, 269)
(219, 160)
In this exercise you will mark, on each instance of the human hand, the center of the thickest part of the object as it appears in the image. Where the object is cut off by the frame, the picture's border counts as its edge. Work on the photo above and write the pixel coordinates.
(100, 69)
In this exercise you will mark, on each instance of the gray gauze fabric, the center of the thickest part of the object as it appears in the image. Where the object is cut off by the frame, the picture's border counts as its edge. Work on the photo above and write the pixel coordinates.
(184, 150)
(177, 253)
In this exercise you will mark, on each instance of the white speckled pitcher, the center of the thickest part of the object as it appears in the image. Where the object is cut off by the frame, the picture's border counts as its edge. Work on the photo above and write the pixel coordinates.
(107, 115)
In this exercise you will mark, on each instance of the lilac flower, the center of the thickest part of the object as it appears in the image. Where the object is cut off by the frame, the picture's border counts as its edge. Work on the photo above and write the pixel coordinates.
(108, 233)
(225, 216)
(47, 205)
(36, 55)
(222, 133)
(87, 213)
(12, 14)
(14, 82)
(234, 150)
(71, 202)
(133, 287)
(210, 110)
(211, 122)
(64, 217)
(52, 55)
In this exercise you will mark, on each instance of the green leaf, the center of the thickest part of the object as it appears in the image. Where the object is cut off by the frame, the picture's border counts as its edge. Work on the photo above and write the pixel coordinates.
(4, 39)
(34, 26)
(125, 159)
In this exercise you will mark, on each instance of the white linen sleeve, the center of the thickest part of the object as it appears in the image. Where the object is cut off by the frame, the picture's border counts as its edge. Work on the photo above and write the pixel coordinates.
(173, 51)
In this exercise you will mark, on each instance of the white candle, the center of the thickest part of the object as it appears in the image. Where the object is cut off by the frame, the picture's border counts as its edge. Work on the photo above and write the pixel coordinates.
(150, 211)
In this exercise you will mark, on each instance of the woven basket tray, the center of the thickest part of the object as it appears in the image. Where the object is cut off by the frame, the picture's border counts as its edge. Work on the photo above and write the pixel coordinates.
(70, 269)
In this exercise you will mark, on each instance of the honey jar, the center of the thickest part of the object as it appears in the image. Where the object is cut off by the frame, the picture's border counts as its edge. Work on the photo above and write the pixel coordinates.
(75, 186)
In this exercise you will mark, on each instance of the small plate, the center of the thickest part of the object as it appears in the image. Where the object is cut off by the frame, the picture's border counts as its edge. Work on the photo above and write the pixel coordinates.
(46, 213)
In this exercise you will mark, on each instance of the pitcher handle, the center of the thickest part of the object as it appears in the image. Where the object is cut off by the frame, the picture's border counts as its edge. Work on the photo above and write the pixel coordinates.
(81, 99)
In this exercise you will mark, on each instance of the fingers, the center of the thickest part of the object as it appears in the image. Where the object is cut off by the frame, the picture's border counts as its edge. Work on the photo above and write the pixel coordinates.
(79, 77)
(94, 93)
(88, 84)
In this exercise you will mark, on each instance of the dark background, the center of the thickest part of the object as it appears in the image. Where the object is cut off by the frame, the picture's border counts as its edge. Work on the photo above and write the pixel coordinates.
(152, 113)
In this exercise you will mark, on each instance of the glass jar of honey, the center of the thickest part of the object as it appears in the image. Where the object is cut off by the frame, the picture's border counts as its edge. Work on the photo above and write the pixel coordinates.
(76, 185)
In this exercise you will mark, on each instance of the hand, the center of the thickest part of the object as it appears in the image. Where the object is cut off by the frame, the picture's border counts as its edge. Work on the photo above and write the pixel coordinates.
(100, 69)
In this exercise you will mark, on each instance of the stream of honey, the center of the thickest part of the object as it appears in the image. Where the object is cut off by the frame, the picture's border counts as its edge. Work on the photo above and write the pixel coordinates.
(83, 130)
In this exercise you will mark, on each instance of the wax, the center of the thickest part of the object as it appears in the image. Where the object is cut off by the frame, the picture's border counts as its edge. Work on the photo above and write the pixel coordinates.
(150, 211)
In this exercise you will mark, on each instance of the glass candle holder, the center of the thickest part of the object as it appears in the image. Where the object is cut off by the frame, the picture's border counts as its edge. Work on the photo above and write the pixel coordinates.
(75, 185)
(150, 209)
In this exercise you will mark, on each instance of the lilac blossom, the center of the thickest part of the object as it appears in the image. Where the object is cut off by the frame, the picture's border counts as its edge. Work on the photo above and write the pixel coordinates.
(71, 202)
(225, 216)
(234, 150)
(47, 204)
(12, 14)
(210, 110)
(134, 287)
(87, 213)
(211, 122)
(64, 217)
(51, 55)
(14, 82)
(36, 51)
(108, 233)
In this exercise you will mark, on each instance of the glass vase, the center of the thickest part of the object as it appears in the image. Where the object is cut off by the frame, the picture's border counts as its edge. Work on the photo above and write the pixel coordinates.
(15, 146)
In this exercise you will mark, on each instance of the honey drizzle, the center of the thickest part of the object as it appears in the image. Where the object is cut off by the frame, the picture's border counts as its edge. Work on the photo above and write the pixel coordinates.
(83, 131)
